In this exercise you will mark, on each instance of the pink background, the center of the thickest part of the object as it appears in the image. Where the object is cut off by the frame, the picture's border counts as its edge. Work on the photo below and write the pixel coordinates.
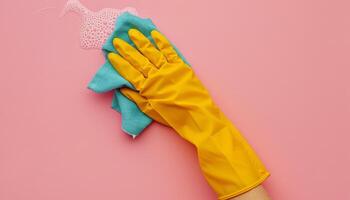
(278, 69)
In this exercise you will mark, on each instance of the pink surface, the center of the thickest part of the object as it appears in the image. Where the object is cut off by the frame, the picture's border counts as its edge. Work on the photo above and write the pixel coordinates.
(278, 69)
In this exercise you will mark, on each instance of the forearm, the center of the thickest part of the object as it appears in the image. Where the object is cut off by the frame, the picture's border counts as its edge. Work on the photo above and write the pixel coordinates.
(257, 193)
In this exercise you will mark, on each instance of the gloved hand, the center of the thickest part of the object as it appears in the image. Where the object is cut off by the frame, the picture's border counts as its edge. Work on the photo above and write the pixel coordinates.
(169, 92)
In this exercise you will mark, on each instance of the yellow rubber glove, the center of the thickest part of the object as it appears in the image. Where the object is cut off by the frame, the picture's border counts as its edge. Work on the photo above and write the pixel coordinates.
(169, 91)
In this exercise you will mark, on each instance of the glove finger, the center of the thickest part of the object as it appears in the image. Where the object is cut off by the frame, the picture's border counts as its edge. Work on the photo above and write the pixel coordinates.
(165, 47)
(145, 46)
(134, 57)
(126, 70)
(143, 104)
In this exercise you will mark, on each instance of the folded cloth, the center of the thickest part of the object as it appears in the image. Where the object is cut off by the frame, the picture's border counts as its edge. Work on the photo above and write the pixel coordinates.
(97, 31)
(108, 79)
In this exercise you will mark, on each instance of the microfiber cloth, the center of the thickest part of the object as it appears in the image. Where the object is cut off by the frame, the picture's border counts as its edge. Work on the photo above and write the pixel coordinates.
(108, 79)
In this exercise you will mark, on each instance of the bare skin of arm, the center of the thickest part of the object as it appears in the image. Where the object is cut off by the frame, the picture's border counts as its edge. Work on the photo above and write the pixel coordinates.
(257, 193)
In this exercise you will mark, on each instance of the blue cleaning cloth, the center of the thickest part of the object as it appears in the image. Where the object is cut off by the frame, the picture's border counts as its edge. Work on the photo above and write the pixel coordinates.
(134, 121)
